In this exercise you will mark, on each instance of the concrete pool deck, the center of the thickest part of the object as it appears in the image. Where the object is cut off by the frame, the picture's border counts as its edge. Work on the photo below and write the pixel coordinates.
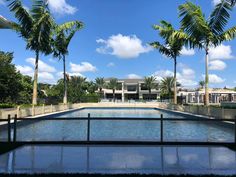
(119, 160)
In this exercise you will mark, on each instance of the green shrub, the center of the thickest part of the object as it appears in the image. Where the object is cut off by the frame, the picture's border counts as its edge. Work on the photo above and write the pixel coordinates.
(7, 105)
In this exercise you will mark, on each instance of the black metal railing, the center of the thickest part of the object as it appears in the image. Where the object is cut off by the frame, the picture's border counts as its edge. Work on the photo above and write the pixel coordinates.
(88, 140)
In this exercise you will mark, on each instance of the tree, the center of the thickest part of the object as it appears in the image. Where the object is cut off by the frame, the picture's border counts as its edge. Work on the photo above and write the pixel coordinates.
(76, 88)
(204, 33)
(4, 23)
(150, 83)
(113, 84)
(63, 35)
(166, 86)
(25, 94)
(100, 82)
(171, 47)
(35, 26)
(201, 84)
(10, 84)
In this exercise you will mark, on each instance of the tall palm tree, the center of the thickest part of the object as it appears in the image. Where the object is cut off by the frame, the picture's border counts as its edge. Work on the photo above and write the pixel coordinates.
(150, 83)
(113, 84)
(100, 82)
(35, 27)
(63, 35)
(171, 47)
(203, 33)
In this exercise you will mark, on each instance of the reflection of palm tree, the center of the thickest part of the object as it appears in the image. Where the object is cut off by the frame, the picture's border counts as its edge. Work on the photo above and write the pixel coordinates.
(150, 83)
(204, 33)
(64, 34)
(113, 84)
(35, 27)
(171, 47)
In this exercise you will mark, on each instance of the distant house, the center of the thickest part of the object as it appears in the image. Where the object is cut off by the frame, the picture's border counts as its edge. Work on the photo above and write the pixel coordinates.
(131, 89)
(216, 96)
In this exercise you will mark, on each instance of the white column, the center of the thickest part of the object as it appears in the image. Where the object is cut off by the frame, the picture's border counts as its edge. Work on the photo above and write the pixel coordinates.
(123, 94)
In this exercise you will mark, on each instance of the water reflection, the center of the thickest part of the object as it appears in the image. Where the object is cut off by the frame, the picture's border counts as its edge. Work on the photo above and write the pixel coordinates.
(119, 159)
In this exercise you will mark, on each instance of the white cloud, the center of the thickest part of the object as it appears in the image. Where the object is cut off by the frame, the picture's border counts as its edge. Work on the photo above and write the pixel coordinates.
(43, 67)
(186, 77)
(83, 67)
(215, 2)
(133, 76)
(61, 7)
(214, 79)
(25, 70)
(123, 46)
(220, 52)
(187, 52)
(46, 77)
(60, 74)
(217, 65)
(110, 64)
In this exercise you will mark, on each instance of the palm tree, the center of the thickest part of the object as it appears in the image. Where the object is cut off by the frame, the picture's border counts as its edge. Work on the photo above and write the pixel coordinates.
(100, 82)
(167, 84)
(201, 84)
(35, 27)
(113, 84)
(204, 33)
(171, 47)
(64, 34)
(150, 83)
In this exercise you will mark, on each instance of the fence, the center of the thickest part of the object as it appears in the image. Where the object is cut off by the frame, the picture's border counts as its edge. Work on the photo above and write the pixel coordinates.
(12, 131)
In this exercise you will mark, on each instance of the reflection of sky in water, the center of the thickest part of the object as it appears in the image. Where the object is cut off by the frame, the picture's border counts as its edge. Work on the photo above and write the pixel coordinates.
(118, 159)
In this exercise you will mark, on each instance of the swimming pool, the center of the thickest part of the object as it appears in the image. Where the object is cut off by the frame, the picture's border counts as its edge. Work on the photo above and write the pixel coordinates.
(121, 130)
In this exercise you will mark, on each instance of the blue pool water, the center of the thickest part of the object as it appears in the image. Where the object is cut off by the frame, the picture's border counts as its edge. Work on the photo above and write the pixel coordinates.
(75, 130)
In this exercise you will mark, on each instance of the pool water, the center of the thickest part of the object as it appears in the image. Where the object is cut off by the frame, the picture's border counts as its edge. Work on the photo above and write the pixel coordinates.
(119, 159)
(125, 130)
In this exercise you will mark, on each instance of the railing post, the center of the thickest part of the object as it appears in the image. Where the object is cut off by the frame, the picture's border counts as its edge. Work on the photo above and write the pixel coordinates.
(14, 134)
(161, 128)
(88, 128)
(235, 130)
(9, 128)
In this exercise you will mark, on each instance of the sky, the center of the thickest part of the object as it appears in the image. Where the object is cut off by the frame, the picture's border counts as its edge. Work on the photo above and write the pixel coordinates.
(114, 43)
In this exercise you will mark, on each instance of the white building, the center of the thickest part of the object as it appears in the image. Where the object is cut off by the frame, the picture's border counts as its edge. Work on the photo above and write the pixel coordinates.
(131, 89)
(216, 96)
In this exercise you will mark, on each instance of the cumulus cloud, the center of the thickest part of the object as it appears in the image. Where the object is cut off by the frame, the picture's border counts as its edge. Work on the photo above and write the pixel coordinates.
(133, 76)
(111, 64)
(83, 67)
(43, 67)
(220, 52)
(61, 7)
(187, 52)
(186, 76)
(217, 65)
(25, 70)
(214, 79)
(123, 46)
(45, 74)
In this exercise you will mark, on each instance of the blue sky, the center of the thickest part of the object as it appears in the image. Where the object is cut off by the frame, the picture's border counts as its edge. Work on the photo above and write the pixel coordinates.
(114, 41)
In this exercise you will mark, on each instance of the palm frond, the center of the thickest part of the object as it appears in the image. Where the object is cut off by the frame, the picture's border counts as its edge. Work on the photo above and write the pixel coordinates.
(228, 34)
(69, 25)
(219, 17)
(162, 49)
(22, 15)
(193, 21)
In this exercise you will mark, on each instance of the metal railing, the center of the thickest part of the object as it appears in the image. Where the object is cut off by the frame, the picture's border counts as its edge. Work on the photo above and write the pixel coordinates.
(88, 140)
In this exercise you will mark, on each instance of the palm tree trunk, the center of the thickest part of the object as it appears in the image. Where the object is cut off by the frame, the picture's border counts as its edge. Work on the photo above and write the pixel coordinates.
(175, 89)
(65, 82)
(206, 79)
(35, 84)
(114, 95)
